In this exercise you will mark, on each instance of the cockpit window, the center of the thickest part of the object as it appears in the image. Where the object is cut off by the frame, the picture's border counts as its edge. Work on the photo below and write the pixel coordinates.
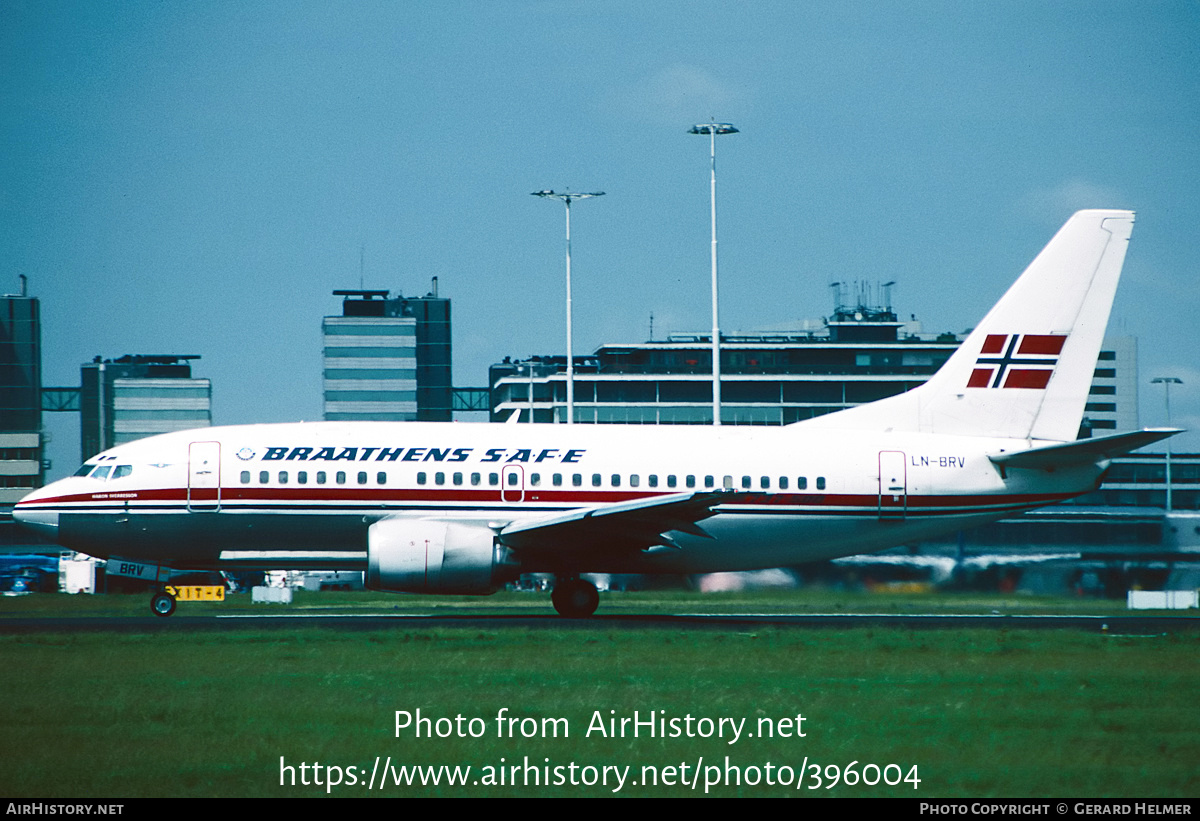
(84, 470)
(122, 470)
(102, 473)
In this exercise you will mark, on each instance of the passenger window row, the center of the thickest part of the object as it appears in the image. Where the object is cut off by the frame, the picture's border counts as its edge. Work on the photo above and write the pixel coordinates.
(320, 478)
(690, 481)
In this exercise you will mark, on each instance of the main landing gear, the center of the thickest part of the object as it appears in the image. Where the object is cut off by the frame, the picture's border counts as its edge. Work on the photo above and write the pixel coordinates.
(574, 597)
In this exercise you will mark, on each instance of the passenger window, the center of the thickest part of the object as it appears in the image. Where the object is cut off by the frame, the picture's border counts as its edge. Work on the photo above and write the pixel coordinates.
(691, 481)
(264, 477)
(439, 478)
(535, 479)
(513, 479)
(634, 480)
(457, 478)
(616, 480)
(783, 482)
(652, 480)
(340, 478)
(745, 483)
(709, 482)
(765, 483)
(802, 483)
(381, 478)
(493, 479)
(557, 480)
(320, 477)
(596, 480)
(302, 477)
(362, 477)
(475, 479)
(245, 477)
(421, 478)
(670, 480)
(727, 482)
(820, 483)
(577, 479)
(283, 477)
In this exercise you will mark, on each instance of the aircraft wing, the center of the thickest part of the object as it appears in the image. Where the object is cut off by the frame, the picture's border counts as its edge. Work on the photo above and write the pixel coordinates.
(616, 528)
(1082, 451)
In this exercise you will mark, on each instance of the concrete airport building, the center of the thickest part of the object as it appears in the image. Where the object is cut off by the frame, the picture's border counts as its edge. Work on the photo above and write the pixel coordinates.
(861, 353)
(387, 359)
(139, 395)
(21, 459)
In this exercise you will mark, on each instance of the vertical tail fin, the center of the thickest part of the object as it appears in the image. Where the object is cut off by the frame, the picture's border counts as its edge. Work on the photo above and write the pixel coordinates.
(1026, 370)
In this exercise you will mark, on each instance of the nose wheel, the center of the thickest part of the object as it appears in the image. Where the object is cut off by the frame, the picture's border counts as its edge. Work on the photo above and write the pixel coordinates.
(163, 604)
(575, 598)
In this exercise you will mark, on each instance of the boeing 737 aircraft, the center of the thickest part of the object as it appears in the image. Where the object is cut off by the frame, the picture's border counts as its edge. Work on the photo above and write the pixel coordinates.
(465, 508)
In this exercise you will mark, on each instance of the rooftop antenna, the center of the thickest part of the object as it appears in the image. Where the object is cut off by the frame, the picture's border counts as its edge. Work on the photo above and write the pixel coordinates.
(887, 295)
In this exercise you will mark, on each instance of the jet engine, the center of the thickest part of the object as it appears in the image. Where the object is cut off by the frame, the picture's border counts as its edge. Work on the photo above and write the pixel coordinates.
(429, 556)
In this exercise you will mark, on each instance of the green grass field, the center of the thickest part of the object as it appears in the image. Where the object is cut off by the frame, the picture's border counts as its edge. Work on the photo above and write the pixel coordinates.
(806, 600)
(978, 713)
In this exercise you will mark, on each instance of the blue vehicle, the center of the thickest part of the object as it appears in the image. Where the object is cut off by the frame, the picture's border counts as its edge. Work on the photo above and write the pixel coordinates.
(28, 573)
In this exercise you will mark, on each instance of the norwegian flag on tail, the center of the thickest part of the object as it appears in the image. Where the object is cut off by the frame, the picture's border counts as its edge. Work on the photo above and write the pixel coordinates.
(1016, 361)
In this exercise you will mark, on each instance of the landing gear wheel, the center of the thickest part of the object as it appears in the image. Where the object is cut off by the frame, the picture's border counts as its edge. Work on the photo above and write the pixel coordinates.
(575, 598)
(163, 604)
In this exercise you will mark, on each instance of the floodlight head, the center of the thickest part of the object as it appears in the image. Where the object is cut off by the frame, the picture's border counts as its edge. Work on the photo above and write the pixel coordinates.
(568, 196)
(713, 128)
(1168, 380)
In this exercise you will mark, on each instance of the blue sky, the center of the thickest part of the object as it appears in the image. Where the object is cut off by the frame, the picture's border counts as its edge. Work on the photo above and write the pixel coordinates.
(198, 177)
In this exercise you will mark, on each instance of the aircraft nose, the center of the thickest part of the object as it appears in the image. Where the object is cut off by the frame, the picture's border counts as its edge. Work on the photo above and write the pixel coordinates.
(41, 521)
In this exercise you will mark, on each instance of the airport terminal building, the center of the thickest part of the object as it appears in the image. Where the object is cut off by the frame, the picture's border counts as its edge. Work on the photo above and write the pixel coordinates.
(387, 359)
(859, 355)
(139, 395)
(21, 461)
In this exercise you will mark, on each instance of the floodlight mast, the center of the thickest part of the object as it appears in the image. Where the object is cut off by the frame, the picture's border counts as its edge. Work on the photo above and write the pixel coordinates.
(567, 197)
(712, 130)
(1167, 382)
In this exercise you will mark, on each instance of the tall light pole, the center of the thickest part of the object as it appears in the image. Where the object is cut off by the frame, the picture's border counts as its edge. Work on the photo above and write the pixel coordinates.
(529, 367)
(712, 130)
(1167, 382)
(567, 198)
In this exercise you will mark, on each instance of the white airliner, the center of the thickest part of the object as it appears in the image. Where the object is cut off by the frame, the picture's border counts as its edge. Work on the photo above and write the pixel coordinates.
(464, 508)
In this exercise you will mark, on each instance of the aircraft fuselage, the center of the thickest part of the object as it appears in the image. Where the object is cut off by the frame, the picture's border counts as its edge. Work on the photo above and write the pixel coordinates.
(304, 495)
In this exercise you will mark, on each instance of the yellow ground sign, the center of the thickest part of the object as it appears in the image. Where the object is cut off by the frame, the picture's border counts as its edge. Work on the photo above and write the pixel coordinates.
(197, 592)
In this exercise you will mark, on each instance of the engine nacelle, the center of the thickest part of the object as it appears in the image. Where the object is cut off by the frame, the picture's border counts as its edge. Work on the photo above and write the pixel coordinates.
(426, 556)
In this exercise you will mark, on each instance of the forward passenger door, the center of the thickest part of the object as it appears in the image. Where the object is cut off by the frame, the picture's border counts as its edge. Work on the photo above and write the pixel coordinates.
(204, 476)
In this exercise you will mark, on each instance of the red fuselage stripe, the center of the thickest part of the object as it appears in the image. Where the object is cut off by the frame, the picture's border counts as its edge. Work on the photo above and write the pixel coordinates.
(243, 497)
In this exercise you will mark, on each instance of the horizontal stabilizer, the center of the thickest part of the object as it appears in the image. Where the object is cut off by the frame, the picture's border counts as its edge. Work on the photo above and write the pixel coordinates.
(1083, 451)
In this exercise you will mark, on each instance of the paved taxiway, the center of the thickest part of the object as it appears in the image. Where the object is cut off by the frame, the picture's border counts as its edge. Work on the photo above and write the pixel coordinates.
(1117, 625)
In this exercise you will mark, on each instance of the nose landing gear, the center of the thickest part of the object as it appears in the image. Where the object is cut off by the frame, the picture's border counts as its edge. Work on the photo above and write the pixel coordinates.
(162, 604)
